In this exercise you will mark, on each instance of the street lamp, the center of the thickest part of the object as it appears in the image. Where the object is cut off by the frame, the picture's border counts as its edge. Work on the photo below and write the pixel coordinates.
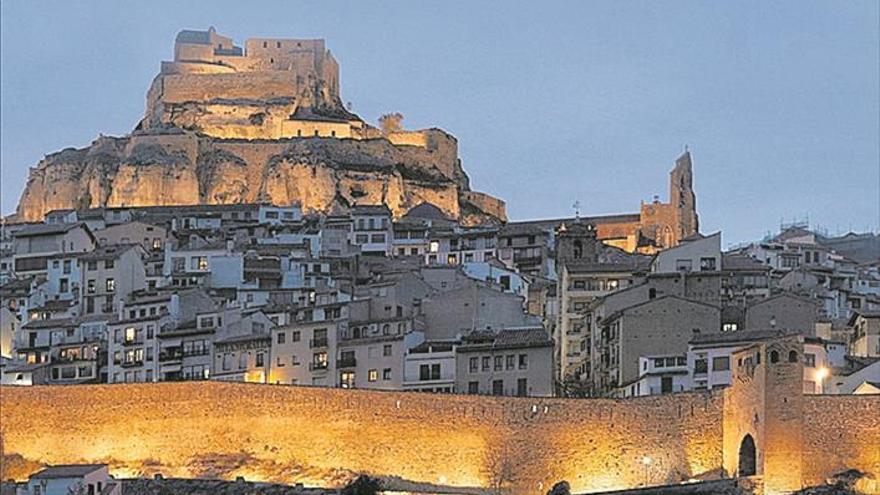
(647, 461)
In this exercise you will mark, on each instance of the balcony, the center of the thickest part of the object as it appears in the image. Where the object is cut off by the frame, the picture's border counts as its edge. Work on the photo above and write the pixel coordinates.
(318, 366)
(131, 364)
(171, 354)
(347, 362)
(318, 342)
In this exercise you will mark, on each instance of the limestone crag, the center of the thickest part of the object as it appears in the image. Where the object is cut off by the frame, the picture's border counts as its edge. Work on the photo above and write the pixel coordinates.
(181, 167)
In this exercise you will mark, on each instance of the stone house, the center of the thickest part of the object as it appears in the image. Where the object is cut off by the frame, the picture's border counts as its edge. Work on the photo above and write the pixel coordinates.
(660, 326)
(784, 311)
(243, 358)
(430, 367)
(33, 245)
(473, 307)
(150, 237)
(866, 333)
(303, 349)
(372, 229)
(513, 362)
(693, 253)
(108, 275)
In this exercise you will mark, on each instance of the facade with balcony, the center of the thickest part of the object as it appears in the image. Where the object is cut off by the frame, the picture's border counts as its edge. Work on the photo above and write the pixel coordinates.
(303, 349)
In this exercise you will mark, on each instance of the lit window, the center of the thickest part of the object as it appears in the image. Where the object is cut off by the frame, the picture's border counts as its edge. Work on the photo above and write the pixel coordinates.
(373, 375)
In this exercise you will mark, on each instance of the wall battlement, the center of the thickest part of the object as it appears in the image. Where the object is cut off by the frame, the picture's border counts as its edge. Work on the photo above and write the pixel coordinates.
(323, 436)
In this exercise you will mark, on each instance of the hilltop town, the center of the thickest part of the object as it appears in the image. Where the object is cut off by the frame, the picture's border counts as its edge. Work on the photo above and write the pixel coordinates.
(260, 246)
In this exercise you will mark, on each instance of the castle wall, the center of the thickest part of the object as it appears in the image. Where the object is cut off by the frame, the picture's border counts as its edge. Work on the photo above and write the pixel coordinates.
(320, 436)
(841, 432)
(179, 88)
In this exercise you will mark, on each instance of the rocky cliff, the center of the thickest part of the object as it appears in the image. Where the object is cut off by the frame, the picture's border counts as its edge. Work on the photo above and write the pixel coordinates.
(226, 126)
(181, 167)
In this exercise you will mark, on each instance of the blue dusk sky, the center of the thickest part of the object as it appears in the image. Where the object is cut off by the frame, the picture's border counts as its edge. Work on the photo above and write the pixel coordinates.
(551, 102)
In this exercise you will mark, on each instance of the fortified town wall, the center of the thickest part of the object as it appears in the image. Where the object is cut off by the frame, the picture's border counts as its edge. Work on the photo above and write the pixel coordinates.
(324, 436)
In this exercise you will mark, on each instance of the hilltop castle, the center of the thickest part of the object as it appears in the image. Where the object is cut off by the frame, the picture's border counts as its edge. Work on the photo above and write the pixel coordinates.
(264, 123)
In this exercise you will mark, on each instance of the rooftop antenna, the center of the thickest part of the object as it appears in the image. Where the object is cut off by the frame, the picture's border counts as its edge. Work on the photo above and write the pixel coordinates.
(577, 209)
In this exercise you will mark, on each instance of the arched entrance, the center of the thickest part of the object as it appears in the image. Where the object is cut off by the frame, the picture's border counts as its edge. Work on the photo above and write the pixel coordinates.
(747, 457)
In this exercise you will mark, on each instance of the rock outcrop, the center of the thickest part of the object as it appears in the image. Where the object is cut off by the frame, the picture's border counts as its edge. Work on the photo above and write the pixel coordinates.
(223, 125)
(181, 167)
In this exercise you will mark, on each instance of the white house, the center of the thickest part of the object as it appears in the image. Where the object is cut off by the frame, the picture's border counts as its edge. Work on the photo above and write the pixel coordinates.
(85, 479)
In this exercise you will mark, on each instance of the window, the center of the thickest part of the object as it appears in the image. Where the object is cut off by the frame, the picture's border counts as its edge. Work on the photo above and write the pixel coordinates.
(108, 264)
(242, 361)
(260, 359)
(511, 362)
(319, 361)
(377, 238)
(424, 372)
(497, 387)
(386, 374)
(774, 356)
(473, 387)
(66, 267)
(361, 238)
(729, 327)
(701, 366)
(486, 363)
(809, 360)
(707, 264)
(721, 363)
(110, 285)
(281, 337)
(683, 265)
(346, 379)
(474, 365)
(372, 375)
(295, 336)
(523, 361)
(92, 266)
(499, 363)
(522, 387)
(91, 286)
(386, 350)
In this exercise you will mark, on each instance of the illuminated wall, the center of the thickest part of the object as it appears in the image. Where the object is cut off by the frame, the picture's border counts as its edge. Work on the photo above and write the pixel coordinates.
(323, 436)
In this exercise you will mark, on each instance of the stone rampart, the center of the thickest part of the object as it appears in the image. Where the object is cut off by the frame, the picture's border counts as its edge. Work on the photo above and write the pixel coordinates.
(322, 436)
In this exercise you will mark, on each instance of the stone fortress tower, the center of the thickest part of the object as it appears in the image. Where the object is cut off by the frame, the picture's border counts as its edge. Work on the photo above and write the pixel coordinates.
(271, 89)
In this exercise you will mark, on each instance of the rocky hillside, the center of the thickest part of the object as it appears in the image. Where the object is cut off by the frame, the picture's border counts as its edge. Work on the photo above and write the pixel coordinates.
(176, 167)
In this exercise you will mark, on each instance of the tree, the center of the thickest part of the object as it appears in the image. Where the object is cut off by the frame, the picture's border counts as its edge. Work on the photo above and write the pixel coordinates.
(560, 488)
(362, 485)
(391, 122)
(500, 470)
